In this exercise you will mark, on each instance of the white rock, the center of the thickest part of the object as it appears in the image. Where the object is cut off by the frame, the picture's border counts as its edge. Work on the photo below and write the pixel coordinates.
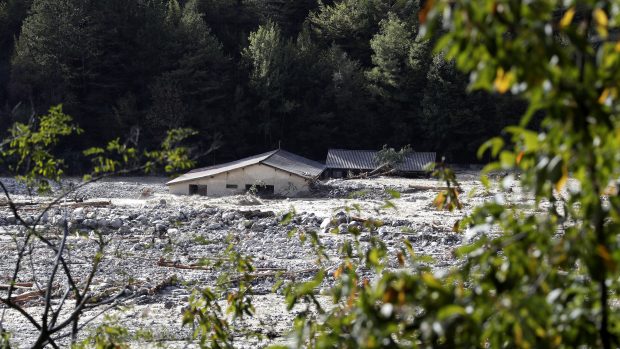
(383, 230)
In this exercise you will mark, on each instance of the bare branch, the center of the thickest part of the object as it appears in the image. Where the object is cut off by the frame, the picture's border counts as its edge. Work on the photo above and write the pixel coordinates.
(52, 277)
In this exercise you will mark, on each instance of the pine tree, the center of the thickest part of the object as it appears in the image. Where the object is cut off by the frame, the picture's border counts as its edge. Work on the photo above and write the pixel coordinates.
(12, 14)
(288, 14)
(391, 48)
(351, 24)
(456, 122)
(398, 77)
(199, 82)
(55, 51)
(271, 58)
(231, 22)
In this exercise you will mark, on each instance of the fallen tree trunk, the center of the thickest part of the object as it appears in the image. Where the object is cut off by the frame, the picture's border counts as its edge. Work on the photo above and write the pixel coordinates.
(28, 296)
(87, 204)
(386, 173)
(163, 263)
(171, 264)
(252, 277)
(415, 187)
(374, 173)
(256, 214)
(41, 205)
(19, 203)
(17, 285)
(358, 219)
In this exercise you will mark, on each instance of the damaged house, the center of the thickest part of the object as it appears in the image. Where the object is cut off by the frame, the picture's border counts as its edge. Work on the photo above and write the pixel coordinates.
(342, 163)
(276, 172)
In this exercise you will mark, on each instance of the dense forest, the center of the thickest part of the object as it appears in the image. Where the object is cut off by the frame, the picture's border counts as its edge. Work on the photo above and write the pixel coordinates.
(254, 74)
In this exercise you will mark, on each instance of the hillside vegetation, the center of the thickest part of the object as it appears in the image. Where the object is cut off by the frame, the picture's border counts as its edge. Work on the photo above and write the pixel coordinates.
(307, 75)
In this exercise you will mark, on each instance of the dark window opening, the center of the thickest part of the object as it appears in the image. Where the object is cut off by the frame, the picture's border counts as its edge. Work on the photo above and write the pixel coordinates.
(195, 189)
(261, 190)
(231, 186)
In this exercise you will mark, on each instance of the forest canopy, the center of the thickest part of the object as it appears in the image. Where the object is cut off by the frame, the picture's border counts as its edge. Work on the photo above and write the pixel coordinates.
(255, 74)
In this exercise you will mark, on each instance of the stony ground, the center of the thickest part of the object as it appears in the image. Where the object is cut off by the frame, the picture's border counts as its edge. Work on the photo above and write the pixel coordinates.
(151, 235)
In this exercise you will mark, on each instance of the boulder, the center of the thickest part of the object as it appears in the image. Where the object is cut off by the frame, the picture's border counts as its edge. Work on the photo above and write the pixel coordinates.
(116, 223)
(89, 223)
(214, 226)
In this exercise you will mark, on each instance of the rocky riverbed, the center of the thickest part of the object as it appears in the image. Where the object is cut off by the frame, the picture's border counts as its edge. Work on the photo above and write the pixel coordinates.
(155, 241)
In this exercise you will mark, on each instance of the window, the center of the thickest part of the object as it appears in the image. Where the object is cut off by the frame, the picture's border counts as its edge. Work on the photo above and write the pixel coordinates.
(231, 186)
(195, 189)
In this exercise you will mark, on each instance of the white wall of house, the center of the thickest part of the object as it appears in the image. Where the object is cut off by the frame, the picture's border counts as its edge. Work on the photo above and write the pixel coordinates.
(284, 183)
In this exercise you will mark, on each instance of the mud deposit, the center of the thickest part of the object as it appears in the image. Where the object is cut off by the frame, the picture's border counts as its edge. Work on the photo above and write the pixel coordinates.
(151, 235)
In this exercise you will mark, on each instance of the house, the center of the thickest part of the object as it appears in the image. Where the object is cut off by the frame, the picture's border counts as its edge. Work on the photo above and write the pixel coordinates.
(342, 162)
(275, 172)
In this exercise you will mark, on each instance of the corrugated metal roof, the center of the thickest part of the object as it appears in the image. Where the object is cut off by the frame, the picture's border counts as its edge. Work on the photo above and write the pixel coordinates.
(351, 159)
(365, 160)
(293, 163)
(416, 161)
(280, 159)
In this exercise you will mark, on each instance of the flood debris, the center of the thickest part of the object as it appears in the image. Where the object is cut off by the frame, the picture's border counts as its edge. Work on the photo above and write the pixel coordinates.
(163, 247)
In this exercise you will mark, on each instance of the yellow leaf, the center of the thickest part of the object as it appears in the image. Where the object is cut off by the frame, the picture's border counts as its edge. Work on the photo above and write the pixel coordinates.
(600, 17)
(338, 272)
(456, 226)
(518, 333)
(402, 297)
(603, 96)
(601, 22)
(520, 157)
(603, 252)
(389, 295)
(611, 190)
(351, 300)
(567, 18)
(439, 200)
(617, 47)
(503, 80)
(562, 181)
(430, 280)
(401, 259)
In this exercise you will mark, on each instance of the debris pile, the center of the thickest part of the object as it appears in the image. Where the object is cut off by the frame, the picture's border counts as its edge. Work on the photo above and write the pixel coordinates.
(159, 245)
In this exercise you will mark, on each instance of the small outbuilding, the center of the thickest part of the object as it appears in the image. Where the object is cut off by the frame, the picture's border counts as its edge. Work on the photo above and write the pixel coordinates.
(276, 172)
(343, 162)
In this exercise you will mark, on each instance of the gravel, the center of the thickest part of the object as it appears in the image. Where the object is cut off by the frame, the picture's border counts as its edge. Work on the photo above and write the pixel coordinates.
(144, 229)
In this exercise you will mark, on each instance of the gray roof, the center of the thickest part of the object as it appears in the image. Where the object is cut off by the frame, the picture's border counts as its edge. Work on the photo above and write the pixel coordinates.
(280, 159)
(365, 160)
(296, 164)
